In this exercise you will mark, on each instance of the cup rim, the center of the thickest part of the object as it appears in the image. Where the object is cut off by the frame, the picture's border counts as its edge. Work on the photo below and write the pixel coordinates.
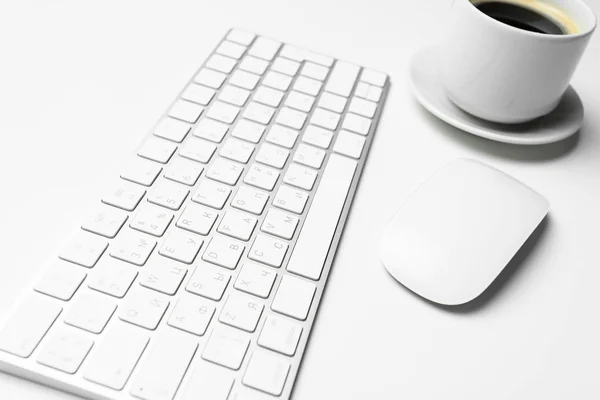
(547, 36)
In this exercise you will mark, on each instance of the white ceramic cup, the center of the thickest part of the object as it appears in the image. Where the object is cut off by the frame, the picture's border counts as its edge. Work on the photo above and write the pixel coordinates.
(504, 74)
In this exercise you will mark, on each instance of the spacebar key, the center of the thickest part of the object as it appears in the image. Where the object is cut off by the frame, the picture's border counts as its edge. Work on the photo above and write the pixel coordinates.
(318, 230)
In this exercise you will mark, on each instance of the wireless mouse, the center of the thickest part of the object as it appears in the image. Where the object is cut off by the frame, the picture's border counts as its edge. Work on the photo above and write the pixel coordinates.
(458, 231)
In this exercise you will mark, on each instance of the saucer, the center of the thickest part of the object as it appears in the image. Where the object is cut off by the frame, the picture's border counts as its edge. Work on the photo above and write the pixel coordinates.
(561, 123)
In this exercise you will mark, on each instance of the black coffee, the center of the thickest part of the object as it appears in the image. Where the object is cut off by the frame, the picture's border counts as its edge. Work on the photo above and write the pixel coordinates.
(520, 17)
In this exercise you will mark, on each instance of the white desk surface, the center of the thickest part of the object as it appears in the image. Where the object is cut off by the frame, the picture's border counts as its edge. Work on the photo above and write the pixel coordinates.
(80, 84)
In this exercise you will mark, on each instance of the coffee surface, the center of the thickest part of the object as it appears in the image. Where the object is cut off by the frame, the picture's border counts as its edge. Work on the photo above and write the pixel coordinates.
(530, 15)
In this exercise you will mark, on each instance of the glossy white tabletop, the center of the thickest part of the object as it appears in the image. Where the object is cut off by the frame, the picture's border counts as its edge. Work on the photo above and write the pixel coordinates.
(80, 84)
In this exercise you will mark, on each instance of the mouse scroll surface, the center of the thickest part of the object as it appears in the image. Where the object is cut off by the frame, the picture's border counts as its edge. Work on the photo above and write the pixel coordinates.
(458, 231)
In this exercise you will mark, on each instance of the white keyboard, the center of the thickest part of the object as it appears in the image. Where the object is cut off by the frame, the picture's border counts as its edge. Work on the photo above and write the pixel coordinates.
(199, 274)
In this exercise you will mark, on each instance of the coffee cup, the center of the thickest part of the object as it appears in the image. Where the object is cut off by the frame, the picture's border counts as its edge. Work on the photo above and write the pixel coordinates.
(510, 61)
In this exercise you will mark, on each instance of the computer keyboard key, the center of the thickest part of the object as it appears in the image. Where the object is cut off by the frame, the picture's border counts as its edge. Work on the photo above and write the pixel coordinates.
(124, 195)
(242, 312)
(186, 111)
(192, 314)
(237, 225)
(112, 277)
(212, 130)
(280, 335)
(61, 280)
(309, 155)
(291, 118)
(362, 107)
(254, 65)
(198, 94)
(225, 171)
(277, 81)
(280, 224)
(248, 130)
(317, 58)
(223, 112)
(290, 199)
(369, 92)
(24, 330)
(84, 249)
(268, 250)
(294, 297)
(244, 79)
(234, 95)
(90, 311)
(261, 177)
(314, 71)
(152, 220)
(373, 77)
(374, 93)
(298, 54)
(226, 347)
(301, 177)
(172, 129)
(317, 136)
(264, 48)
(157, 149)
(237, 150)
(282, 136)
(111, 362)
(285, 66)
(223, 252)
(314, 241)
(168, 194)
(231, 49)
(210, 78)
(256, 280)
(299, 101)
(241, 37)
(342, 78)
(357, 124)
(332, 102)
(211, 194)
(221, 63)
(160, 373)
(197, 219)
(266, 95)
(132, 247)
(206, 381)
(259, 113)
(292, 52)
(325, 119)
(362, 90)
(198, 150)
(163, 275)
(184, 171)
(106, 221)
(141, 171)
(143, 308)
(250, 199)
(266, 372)
(65, 351)
(208, 281)
(181, 245)
(307, 85)
(274, 156)
(349, 144)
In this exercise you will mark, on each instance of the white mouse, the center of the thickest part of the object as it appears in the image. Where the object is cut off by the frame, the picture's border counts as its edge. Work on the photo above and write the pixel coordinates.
(458, 231)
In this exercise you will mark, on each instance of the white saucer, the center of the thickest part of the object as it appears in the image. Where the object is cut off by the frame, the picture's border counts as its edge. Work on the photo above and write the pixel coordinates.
(561, 123)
